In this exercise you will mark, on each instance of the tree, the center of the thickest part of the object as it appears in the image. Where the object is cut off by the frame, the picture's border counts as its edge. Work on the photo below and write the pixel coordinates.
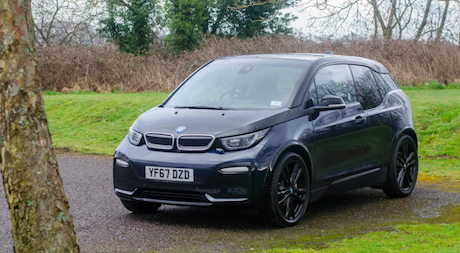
(334, 19)
(443, 21)
(129, 24)
(402, 19)
(64, 21)
(188, 23)
(388, 15)
(246, 19)
(424, 20)
(39, 210)
(190, 20)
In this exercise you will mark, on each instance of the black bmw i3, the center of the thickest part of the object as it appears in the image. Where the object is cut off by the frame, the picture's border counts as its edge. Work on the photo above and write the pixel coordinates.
(271, 131)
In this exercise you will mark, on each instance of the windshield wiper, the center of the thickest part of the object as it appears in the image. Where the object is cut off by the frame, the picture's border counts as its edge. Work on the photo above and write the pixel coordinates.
(200, 107)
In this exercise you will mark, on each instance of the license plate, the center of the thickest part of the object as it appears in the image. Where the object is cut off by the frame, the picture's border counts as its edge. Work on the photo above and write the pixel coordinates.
(169, 174)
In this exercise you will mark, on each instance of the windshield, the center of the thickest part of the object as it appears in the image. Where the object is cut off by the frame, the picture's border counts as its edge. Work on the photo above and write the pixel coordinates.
(240, 84)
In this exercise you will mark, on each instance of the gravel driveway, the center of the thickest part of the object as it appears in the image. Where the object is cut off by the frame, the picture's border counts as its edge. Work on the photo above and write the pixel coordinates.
(103, 225)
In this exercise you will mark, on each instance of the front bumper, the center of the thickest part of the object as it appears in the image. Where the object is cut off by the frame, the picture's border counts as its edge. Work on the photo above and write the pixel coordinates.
(178, 198)
(210, 187)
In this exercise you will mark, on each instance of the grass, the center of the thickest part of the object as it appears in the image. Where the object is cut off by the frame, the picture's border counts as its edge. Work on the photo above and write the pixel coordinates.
(437, 122)
(404, 238)
(95, 123)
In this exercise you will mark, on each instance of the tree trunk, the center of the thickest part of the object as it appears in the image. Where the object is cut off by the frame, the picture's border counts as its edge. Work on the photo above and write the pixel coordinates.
(387, 29)
(388, 32)
(376, 27)
(39, 210)
(443, 22)
(425, 17)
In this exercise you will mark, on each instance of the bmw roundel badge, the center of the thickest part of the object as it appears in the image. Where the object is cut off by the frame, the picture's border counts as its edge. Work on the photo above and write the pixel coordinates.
(181, 129)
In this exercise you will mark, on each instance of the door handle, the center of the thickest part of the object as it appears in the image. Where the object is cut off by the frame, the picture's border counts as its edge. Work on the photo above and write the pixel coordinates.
(360, 121)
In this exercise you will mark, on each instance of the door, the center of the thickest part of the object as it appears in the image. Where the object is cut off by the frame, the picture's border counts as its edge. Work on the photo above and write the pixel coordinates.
(370, 95)
(340, 135)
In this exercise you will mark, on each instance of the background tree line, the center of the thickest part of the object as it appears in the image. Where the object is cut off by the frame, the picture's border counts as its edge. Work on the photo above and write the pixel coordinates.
(416, 39)
(427, 20)
(134, 25)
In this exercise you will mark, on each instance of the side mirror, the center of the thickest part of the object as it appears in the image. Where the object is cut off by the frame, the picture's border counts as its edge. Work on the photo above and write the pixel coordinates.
(330, 102)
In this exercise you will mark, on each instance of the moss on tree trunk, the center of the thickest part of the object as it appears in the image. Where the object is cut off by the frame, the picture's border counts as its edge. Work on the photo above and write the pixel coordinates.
(41, 220)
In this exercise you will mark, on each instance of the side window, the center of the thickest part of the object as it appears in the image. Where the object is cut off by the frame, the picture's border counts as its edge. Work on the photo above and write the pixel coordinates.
(336, 80)
(389, 80)
(369, 94)
(312, 96)
(383, 87)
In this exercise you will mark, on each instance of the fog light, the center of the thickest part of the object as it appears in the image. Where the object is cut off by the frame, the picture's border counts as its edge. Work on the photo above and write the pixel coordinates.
(234, 170)
(122, 163)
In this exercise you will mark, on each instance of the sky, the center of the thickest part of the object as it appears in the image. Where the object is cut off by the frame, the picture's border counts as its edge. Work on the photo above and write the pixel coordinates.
(302, 26)
(304, 15)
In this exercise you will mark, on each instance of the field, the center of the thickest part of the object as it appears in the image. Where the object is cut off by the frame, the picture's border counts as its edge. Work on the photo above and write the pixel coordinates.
(96, 123)
(405, 238)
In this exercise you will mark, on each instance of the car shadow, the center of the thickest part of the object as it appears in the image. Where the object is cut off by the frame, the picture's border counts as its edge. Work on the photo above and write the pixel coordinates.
(362, 205)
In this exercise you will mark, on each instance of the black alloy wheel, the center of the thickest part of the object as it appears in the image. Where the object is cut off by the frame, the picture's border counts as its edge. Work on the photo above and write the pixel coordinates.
(141, 207)
(289, 191)
(403, 168)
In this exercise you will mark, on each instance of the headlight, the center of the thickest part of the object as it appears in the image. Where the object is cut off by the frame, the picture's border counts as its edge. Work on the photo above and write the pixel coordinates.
(134, 137)
(243, 141)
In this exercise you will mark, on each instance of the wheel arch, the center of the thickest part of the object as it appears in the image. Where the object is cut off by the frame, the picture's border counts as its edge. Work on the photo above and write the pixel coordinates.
(405, 131)
(291, 146)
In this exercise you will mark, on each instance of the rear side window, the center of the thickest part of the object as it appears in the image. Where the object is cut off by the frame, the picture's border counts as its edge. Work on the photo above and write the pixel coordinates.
(383, 87)
(389, 81)
(336, 80)
(369, 93)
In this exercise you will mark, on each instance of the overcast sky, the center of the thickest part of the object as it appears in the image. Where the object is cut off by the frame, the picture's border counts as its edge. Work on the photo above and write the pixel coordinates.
(303, 25)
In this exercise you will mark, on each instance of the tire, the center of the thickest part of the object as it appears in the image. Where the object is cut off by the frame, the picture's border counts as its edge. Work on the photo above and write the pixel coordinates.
(141, 207)
(402, 168)
(289, 191)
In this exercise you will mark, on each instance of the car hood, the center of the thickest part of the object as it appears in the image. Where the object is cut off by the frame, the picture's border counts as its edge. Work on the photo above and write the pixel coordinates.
(219, 123)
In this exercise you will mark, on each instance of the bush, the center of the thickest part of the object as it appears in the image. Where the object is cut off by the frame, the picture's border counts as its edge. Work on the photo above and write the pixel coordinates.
(435, 85)
(454, 86)
(104, 69)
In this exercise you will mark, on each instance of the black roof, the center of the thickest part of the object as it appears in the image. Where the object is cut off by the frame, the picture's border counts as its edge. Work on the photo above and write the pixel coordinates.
(321, 59)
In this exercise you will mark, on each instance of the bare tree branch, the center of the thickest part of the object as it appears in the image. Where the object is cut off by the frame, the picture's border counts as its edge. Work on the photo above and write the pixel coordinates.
(244, 6)
(61, 21)
(443, 22)
(425, 16)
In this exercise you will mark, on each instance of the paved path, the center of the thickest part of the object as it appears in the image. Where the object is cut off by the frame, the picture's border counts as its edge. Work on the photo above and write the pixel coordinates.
(103, 225)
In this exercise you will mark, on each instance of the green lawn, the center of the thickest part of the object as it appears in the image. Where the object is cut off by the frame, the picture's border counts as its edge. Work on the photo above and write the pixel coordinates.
(419, 238)
(437, 122)
(96, 123)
